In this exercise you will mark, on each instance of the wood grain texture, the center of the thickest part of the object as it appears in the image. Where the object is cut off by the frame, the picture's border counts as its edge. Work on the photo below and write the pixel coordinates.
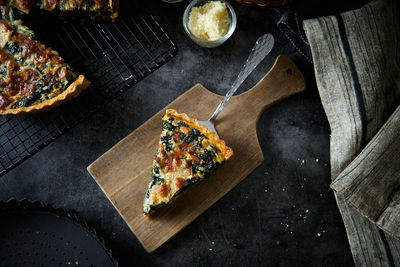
(123, 172)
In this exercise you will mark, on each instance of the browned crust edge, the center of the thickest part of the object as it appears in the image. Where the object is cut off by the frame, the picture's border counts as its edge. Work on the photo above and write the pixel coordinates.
(219, 143)
(72, 91)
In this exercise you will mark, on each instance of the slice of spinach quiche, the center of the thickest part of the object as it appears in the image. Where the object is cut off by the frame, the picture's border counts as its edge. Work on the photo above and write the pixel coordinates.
(32, 77)
(188, 152)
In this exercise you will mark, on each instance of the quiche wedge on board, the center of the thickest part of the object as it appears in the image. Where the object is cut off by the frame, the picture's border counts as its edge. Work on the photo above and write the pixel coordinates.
(33, 78)
(188, 152)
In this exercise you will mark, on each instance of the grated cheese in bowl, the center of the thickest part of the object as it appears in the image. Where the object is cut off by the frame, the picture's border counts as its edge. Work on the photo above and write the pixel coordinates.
(210, 21)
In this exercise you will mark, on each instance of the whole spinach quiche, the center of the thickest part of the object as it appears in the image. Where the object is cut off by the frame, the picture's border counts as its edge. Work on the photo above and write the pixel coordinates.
(35, 78)
(32, 77)
(188, 152)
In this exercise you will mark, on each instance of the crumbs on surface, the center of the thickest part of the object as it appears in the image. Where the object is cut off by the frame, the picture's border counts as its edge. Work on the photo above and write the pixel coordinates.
(210, 21)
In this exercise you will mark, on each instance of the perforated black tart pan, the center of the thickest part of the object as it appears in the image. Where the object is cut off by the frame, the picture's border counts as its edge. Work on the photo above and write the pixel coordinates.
(32, 234)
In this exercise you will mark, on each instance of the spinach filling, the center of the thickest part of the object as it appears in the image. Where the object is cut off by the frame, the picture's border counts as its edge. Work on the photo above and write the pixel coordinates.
(194, 137)
(13, 48)
(204, 169)
(26, 101)
(181, 123)
(168, 125)
(3, 71)
(171, 124)
(156, 180)
(155, 176)
(43, 91)
(165, 140)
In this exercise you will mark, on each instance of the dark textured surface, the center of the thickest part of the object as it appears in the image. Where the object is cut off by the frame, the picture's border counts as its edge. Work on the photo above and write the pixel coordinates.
(36, 235)
(283, 214)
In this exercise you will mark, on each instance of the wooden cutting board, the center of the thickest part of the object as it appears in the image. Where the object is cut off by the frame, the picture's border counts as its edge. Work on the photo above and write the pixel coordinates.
(123, 172)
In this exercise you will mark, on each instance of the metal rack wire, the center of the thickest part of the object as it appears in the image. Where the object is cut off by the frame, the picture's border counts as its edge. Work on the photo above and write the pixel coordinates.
(113, 56)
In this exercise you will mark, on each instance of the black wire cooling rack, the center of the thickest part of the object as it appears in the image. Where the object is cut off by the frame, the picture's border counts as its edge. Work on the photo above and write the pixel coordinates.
(113, 56)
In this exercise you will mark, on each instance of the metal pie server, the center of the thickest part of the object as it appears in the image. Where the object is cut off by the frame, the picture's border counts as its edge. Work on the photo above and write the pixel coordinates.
(261, 49)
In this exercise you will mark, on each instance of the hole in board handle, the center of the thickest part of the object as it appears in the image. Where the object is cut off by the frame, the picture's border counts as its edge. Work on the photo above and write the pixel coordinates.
(289, 72)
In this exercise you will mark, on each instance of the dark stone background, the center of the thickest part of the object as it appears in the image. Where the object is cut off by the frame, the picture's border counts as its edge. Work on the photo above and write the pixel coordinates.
(283, 214)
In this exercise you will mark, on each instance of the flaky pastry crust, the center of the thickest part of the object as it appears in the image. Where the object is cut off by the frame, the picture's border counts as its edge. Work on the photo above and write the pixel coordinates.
(219, 143)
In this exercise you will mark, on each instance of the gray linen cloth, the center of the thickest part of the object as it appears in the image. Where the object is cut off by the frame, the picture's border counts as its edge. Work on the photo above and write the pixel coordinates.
(356, 58)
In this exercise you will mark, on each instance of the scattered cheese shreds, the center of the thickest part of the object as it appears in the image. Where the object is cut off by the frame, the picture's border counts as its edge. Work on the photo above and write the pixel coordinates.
(210, 21)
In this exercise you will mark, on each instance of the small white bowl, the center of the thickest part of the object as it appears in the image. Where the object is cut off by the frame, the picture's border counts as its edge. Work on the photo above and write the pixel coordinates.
(206, 43)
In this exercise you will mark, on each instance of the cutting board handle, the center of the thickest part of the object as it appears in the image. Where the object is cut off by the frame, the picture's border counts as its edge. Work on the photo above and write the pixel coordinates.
(283, 80)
